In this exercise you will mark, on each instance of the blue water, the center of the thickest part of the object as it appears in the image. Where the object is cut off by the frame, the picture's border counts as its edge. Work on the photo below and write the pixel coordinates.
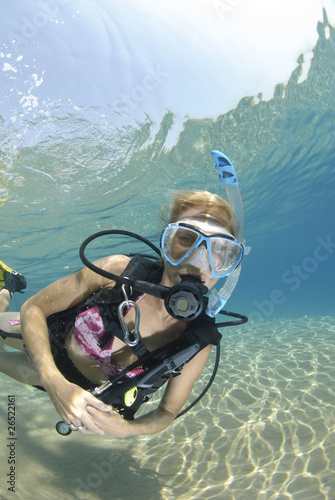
(67, 172)
(282, 150)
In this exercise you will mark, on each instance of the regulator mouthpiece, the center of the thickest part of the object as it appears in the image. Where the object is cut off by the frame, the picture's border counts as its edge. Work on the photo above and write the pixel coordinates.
(185, 301)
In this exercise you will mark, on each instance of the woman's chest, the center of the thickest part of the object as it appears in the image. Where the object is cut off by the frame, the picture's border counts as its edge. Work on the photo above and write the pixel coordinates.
(155, 331)
(91, 355)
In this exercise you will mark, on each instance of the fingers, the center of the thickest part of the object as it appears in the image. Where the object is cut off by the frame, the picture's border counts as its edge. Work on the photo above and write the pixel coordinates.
(87, 427)
(85, 431)
(80, 428)
(92, 410)
(91, 427)
(96, 403)
(85, 422)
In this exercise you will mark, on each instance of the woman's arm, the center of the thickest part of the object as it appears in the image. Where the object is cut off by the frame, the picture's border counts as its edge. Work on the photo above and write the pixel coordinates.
(177, 392)
(70, 400)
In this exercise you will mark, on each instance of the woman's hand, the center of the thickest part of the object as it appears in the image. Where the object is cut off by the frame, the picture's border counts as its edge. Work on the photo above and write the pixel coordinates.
(72, 403)
(111, 422)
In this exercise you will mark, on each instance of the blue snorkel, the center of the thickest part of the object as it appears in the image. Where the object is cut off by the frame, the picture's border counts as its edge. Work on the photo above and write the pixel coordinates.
(227, 175)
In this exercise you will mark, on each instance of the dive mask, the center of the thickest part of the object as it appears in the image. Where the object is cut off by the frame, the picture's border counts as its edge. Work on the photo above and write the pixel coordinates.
(188, 240)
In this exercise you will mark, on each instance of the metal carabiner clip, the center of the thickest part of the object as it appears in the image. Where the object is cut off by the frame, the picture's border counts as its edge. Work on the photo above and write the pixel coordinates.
(127, 334)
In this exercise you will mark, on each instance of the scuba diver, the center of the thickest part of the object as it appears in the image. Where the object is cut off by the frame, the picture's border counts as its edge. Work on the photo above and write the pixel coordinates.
(103, 339)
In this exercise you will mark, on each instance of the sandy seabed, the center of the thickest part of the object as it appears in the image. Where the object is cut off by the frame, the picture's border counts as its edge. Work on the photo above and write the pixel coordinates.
(264, 431)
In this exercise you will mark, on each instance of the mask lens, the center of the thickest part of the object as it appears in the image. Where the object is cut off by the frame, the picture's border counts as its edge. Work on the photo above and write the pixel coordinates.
(178, 241)
(225, 254)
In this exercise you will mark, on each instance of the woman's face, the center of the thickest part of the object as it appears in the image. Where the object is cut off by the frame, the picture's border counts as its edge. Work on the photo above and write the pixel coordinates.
(197, 264)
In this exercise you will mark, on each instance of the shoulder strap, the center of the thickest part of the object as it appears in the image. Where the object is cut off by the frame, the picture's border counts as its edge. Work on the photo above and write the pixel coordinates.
(138, 268)
(143, 269)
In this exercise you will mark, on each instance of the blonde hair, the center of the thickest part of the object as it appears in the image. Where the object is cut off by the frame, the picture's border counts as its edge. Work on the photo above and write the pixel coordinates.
(185, 200)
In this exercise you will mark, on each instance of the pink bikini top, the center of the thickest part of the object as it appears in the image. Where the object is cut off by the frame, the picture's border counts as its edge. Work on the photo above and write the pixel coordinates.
(88, 330)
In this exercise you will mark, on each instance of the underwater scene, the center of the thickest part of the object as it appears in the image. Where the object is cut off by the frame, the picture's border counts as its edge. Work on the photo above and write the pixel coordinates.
(105, 111)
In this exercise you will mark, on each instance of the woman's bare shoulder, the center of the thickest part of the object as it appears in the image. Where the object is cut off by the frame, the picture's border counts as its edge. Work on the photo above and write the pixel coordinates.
(113, 263)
